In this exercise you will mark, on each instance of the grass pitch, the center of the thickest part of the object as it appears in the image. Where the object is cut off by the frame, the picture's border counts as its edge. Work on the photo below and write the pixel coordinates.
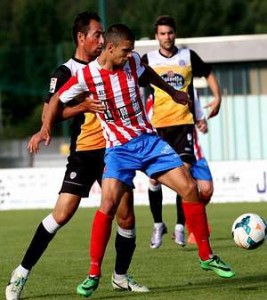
(170, 272)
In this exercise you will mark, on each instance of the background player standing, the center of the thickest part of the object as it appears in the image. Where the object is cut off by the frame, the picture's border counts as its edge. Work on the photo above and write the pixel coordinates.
(174, 122)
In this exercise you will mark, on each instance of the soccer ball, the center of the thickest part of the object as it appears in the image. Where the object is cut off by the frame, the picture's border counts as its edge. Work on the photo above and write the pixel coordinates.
(249, 231)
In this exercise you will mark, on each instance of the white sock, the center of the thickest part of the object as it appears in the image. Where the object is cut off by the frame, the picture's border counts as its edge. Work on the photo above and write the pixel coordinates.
(127, 233)
(50, 224)
(22, 271)
(118, 276)
(179, 227)
(158, 225)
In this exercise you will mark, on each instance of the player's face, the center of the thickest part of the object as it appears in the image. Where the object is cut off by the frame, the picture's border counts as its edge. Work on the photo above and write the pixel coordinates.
(122, 52)
(166, 37)
(92, 43)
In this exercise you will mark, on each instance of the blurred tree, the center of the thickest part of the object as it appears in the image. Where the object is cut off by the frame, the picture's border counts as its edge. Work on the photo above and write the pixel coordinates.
(258, 15)
(35, 37)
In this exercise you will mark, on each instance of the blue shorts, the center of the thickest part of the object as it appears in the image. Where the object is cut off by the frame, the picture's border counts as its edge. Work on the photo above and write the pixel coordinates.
(200, 170)
(147, 153)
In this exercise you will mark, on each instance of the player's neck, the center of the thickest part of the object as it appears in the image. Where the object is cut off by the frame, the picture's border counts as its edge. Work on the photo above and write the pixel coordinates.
(105, 64)
(80, 55)
(168, 52)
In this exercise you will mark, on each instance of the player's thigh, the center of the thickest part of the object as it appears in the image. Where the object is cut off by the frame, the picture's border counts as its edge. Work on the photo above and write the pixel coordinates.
(180, 180)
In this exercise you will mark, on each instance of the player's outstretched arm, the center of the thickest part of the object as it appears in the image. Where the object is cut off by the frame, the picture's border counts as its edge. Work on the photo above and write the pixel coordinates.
(88, 105)
(44, 135)
(215, 104)
(36, 139)
(152, 77)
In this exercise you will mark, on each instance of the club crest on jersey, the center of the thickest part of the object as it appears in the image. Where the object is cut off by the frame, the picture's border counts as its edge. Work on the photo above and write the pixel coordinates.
(189, 137)
(181, 63)
(53, 83)
(73, 175)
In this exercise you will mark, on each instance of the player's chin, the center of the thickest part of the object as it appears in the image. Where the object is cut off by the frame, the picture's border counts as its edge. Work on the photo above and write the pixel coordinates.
(98, 51)
(169, 45)
(123, 62)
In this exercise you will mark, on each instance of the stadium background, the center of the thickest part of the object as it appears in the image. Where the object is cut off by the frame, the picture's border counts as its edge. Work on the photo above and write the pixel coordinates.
(235, 145)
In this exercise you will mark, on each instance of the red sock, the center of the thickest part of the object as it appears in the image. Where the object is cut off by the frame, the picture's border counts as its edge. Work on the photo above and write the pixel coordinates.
(196, 218)
(101, 231)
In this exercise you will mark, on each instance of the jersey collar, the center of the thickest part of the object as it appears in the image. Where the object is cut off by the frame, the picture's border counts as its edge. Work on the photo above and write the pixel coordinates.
(79, 61)
(174, 52)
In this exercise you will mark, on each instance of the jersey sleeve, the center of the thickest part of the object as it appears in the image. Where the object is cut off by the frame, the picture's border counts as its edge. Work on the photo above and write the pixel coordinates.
(199, 67)
(144, 59)
(140, 69)
(199, 112)
(60, 76)
(75, 86)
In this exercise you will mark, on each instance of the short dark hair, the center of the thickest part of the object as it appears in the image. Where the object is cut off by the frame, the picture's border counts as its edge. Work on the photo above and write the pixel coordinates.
(82, 23)
(117, 32)
(164, 20)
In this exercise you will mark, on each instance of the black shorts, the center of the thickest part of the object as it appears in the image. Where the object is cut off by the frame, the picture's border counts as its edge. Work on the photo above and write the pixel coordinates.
(181, 139)
(83, 169)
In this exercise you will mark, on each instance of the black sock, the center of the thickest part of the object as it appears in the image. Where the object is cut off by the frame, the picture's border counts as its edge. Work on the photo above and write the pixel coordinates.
(124, 248)
(180, 211)
(155, 202)
(39, 243)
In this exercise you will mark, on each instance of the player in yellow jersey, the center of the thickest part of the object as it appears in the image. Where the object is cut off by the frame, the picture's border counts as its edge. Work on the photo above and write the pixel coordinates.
(174, 122)
(85, 166)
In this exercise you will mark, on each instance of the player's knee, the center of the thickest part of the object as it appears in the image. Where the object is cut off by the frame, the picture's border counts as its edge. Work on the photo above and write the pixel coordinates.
(62, 217)
(206, 194)
(126, 222)
(189, 192)
(109, 208)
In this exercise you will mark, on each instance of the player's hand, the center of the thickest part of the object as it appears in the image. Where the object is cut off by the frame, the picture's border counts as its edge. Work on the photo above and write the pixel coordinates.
(202, 125)
(36, 139)
(92, 105)
(214, 107)
(181, 97)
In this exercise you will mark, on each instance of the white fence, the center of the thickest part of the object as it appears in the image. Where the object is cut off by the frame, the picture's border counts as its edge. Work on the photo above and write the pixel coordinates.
(30, 188)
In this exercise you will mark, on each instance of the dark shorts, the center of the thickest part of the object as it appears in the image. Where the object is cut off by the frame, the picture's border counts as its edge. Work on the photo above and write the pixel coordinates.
(181, 139)
(83, 169)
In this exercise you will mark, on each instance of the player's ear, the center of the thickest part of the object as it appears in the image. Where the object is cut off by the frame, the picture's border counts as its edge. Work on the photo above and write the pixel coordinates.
(80, 37)
(110, 47)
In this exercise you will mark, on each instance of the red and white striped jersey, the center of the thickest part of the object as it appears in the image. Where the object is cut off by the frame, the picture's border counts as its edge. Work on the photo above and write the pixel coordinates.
(124, 117)
(197, 147)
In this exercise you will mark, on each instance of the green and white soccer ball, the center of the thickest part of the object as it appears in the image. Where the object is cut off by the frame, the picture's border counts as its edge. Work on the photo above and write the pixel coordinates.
(249, 231)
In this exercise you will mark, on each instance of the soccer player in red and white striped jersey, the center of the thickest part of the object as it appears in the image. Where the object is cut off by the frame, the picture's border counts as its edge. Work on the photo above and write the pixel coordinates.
(124, 118)
(132, 145)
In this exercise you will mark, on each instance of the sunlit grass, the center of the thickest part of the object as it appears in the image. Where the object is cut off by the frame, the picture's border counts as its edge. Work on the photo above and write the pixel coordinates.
(170, 272)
